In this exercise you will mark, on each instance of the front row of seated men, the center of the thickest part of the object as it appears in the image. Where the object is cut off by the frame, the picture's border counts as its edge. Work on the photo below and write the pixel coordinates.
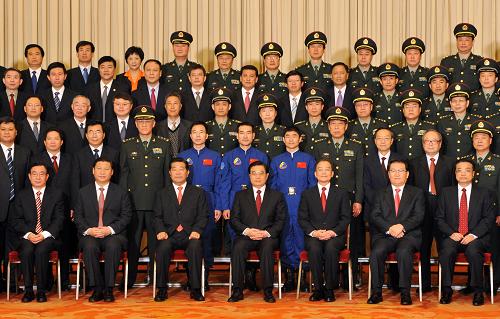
(464, 216)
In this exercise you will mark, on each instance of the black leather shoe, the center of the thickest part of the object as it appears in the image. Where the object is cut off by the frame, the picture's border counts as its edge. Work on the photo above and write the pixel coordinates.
(236, 296)
(445, 297)
(41, 296)
(268, 296)
(196, 295)
(97, 295)
(375, 298)
(317, 295)
(161, 295)
(478, 299)
(466, 291)
(108, 295)
(329, 296)
(406, 299)
(29, 295)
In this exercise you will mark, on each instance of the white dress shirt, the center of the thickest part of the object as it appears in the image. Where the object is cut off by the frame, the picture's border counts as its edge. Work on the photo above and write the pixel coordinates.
(99, 148)
(244, 93)
(386, 161)
(108, 85)
(57, 155)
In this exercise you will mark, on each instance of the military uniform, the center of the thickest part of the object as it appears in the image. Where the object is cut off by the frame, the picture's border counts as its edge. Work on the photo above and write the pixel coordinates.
(143, 171)
(484, 103)
(270, 143)
(176, 76)
(322, 78)
(465, 73)
(266, 83)
(215, 79)
(385, 108)
(417, 80)
(310, 136)
(495, 121)
(410, 144)
(358, 79)
(434, 107)
(356, 132)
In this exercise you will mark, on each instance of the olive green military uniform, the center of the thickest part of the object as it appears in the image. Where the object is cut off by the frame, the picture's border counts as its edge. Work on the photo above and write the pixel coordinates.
(223, 139)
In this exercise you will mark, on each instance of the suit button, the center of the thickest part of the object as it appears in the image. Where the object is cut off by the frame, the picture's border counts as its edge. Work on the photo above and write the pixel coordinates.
(461, 73)
(267, 143)
(337, 159)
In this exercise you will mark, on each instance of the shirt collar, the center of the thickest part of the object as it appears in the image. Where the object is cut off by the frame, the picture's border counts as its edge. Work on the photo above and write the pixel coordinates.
(61, 91)
(58, 155)
(97, 186)
(327, 186)
(296, 97)
(386, 156)
(100, 147)
(200, 90)
(262, 190)
(401, 188)
(4, 148)
(108, 85)
(183, 186)
(41, 190)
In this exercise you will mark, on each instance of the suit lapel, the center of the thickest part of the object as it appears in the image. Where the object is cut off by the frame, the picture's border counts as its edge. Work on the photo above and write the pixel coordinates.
(390, 200)
(474, 198)
(405, 201)
(252, 202)
(109, 196)
(173, 197)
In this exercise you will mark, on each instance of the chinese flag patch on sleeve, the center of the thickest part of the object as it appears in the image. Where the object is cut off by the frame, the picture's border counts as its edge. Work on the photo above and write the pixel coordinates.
(301, 165)
(207, 162)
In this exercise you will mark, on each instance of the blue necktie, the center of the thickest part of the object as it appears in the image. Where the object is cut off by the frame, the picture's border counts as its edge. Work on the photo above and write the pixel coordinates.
(85, 75)
(57, 101)
(33, 81)
(10, 166)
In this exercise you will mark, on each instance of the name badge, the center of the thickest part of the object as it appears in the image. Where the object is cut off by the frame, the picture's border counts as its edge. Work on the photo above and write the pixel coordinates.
(422, 78)
(326, 76)
(473, 67)
(157, 150)
(282, 84)
(421, 132)
(348, 153)
(323, 134)
(189, 161)
(233, 133)
(291, 190)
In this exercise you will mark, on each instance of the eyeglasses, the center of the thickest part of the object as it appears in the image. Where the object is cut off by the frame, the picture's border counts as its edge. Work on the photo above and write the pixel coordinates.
(255, 173)
(432, 141)
(398, 171)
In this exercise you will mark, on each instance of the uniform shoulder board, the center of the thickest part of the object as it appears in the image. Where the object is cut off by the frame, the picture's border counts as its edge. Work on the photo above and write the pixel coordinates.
(355, 141)
(492, 115)
(495, 155)
(428, 122)
(319, 140)
(300, 123)
(381, 120)
(236, 121)
(446, 116)
(211, 122)
(282, 127)
(476, 116)
(163, 138)
(396, 124)
(469, 156)
(129, 139)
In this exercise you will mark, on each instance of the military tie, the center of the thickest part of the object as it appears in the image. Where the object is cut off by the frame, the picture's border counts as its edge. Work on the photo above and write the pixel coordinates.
(57, 101)
(337, 147)
(412, 73)
(268, 130)
(411, 127)
(438, 104)
(34, 81)
(313, 127)
(364, 74)
(198, 99)
(224, 76)
(96, 153)
(479, 160)
(365, 127)
(273, 77)
(145, 144)
(85, 75)
(487, 95)
(104, 99)
(316, 69)
(82, 130)
(389, 97)
(123, 131)
(36, 131)
(459, 122)
(181, 68)
(10, 166)
(221, 126)
(463, 61)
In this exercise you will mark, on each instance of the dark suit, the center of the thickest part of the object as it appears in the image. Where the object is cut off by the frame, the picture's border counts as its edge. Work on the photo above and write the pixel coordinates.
(19, 103)
(183, 140)
(336, 217)
(117, 213)
(192, 214)
(285, 111)
(26, 138)
(112, 129)
(410, 215)
(420, 177)
(481, 212)
(346, 101)
(244, 215)
(75, 80)
(238, 111)
(141, 97)
(190, 110)
(24, 220)
(41, 85)
(49, 111)
(93, 92)
(73, 141)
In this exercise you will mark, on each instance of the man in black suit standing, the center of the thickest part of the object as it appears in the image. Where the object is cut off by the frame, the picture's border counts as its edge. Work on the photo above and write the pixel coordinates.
(341, 95)
(197, 104)
(396, 220)
(12, 99)
(37, 220)
(34, 77)
(31, 131)
(257, 216)
(121, 126)
(174, 127)
(324, 214)
(102, 214)
(181, 214)
(292, 107)
(102, 93)
(58, 98)
(430, 172)
(244, 108)
(84, 74)
(152, 91)
(74, 128)
(464, 217)
(13, 169)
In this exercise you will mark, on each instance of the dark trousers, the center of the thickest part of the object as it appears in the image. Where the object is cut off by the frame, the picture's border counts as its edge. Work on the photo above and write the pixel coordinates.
(36, 256)
(474, 252)
(141, 219)
(428, 234)
(495, 252)
(112, 247)
(67, 248)
(324, 257)
(265, 247)
(404, 248)
(356, 243)
(194, 254)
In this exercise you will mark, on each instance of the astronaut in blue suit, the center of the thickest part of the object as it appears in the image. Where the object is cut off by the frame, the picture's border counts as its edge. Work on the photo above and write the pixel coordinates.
(292, 172)
(204, 172)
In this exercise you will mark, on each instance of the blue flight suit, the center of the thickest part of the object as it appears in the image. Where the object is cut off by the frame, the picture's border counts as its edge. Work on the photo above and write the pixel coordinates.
(234, 175)
(204, 172)
(291, 176)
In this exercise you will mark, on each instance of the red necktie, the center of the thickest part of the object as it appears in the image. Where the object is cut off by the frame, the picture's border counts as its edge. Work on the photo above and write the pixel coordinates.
(54, 162)
(101, 207)
(247, 101)
(179, 199)
(323, 199)
(397, 200)
(38, 202)
(258, 202)
(153, 99)
(12, 104)
(463, 219)
(432, 170)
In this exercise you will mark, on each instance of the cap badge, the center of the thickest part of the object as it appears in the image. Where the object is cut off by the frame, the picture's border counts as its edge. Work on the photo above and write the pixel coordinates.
(413, 41)
(457, 87)
(265, 98)
(486, 62)
(480, 125)
(465, 27)
(223, 46)
(316, 35)
(313, 91)
(338, 111)
(387, 66)
(220, 92)
(436, 69)
(362, 92)
(144, 109)
(181, 34)
(271, 46)
(411, 94)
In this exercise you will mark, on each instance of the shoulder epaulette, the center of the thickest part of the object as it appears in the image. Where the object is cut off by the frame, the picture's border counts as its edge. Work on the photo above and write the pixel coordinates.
(129, 139)
(442, 117)
(300, 122)
(163, 138)
(466, 156)
(355, 141)
(395, 124)
(428, 122)
(319, 140)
